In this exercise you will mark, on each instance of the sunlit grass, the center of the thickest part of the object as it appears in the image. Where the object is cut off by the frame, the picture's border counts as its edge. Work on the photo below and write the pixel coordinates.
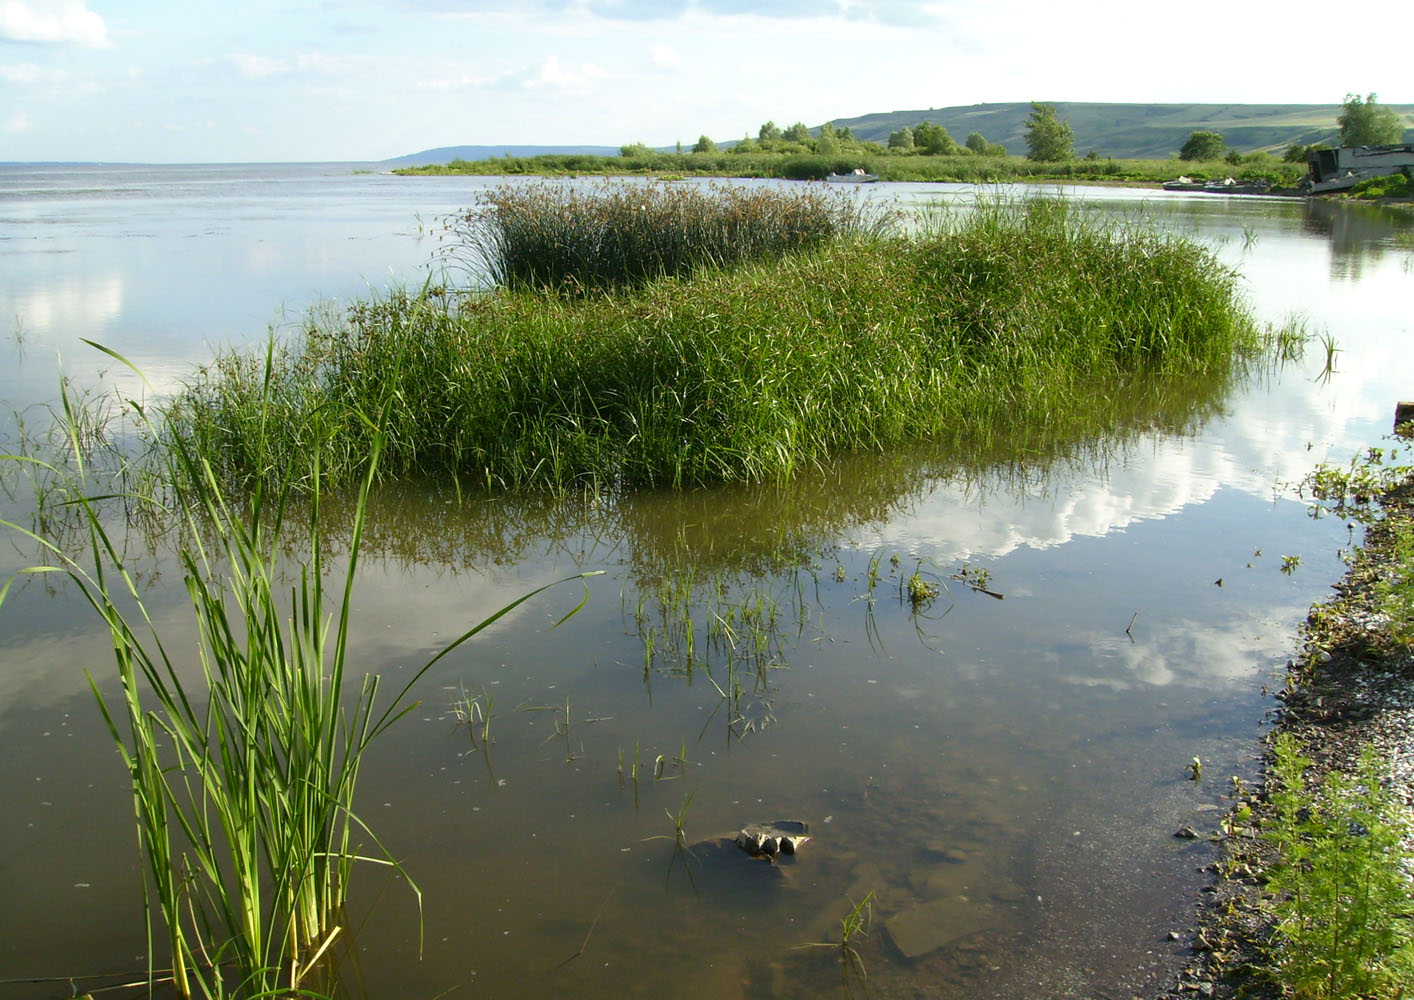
(1007, 316)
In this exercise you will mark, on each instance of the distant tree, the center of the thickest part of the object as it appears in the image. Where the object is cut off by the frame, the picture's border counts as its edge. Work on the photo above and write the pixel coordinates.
(770, 132)
(1233, 157)
(996, 149)
(902, 139)
(1365, 123)
(747, 145)
(847, 135)
(828, 144)
(634, 149)
(704, 145)
(797, 133)
(1203, 146)
(1297, 153)
(934, 139)
(1048, 139)
(977, 142)
(679, 147)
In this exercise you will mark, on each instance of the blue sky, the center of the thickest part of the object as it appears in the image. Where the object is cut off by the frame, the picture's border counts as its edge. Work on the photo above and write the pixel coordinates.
(167, 81)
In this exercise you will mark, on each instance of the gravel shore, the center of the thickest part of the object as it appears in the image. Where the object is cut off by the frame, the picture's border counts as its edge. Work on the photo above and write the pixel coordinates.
(1352, 687)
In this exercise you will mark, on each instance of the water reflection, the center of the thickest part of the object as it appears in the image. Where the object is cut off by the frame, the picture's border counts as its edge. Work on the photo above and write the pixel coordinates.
(1360, 235)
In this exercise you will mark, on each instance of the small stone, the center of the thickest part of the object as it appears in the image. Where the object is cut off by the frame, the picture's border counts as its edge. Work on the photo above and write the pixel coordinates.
(1186, 833)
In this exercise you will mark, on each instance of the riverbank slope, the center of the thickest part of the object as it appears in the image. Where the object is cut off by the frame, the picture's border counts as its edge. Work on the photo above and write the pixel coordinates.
(1351, 689)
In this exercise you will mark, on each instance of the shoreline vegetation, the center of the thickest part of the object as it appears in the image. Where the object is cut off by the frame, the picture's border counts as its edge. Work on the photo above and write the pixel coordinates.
(960, 167)
(582, 371)
(1312, 895)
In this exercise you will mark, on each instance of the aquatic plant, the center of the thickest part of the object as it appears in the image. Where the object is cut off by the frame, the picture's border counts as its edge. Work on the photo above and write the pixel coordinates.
(244, 769)
(854, 924)
(976, 329)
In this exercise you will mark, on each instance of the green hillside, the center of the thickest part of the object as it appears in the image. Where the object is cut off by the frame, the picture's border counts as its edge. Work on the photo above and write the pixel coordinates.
(1146, 131)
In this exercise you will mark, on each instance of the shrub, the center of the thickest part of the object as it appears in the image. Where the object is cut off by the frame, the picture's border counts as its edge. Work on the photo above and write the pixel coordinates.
(1342, 898)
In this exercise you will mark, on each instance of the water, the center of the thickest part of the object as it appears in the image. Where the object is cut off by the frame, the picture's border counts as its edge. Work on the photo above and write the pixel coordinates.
(1004, 775)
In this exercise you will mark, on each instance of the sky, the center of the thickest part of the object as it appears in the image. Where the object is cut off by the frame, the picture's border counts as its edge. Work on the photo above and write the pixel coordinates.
(176, 81)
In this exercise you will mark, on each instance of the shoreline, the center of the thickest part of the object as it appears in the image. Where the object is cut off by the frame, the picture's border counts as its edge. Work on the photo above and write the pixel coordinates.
(1351, 687)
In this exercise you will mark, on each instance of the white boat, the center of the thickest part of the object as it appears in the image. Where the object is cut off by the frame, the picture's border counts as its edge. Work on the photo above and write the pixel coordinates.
(858, 176)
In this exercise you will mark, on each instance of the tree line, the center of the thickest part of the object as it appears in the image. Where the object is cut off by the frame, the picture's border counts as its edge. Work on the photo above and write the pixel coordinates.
(1049, 138)
(1363, 121)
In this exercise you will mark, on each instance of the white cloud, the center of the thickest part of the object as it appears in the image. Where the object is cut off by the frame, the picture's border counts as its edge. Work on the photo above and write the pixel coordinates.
(254, 67)
(461, 82)
(64, 22)
(29, 73)
(18, 122)
(561, 78)
(662, 57)
(258, 67)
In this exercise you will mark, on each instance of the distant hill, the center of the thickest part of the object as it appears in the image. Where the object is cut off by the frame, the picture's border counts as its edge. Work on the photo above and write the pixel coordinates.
(446, 154)
(1142, 131)
(1146, 131)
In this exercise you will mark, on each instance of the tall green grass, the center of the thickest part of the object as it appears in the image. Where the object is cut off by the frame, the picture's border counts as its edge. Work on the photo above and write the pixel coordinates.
(561, 237)
(244, 758)
(1008, 317)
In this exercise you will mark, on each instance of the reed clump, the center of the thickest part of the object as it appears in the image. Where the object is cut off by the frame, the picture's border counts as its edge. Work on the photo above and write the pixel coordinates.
(985, 323)
(243, 748)
(555, 236)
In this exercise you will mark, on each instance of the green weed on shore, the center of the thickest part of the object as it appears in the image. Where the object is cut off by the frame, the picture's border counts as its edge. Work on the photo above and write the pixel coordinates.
(1341, 896)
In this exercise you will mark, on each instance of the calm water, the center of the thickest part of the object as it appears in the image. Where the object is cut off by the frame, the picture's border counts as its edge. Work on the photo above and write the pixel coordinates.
(1004, 775)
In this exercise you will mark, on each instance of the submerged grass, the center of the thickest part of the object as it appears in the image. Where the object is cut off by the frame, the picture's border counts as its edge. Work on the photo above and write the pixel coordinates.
(1003, 317)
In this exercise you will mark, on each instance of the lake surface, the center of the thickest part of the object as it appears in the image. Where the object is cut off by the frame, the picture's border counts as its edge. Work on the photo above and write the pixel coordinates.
(1005, 775)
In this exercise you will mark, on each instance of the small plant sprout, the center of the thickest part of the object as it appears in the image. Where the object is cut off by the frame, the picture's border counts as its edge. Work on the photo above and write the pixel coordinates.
(1194, 769)
(1328, 346)
(476, 716)
(1289, 564)
(854, 924)
(918, 589)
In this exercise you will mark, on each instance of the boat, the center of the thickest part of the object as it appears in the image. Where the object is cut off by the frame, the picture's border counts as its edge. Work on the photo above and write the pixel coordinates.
(1184, 183)
(1231, 186)
(1227, 186)
(858, 176)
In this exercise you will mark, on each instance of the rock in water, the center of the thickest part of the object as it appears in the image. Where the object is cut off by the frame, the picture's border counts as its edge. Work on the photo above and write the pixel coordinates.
(772, 839)
(927, 926)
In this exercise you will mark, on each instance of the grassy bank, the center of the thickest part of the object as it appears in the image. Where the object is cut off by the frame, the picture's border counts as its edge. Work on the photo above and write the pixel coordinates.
(999, 318)
(967, 169)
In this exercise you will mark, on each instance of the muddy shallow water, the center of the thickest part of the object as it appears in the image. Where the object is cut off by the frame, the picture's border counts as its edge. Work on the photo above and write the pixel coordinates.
(1004, 775)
